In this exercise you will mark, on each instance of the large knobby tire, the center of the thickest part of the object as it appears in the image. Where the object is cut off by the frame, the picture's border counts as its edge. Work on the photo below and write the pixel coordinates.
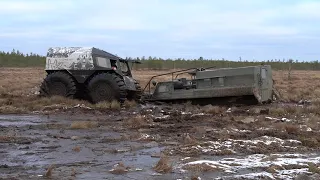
(106, 87)
(58, 84)
(135, 95)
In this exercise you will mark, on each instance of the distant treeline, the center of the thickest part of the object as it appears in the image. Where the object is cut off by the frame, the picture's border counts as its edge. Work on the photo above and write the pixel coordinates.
(18, 59)
(277, 64)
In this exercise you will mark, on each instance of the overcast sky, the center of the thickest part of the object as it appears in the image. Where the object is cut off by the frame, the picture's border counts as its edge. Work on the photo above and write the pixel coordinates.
(252, 29)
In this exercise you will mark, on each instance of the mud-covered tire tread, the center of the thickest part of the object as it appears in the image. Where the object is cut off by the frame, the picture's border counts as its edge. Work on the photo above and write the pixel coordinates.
(139, 90)
(64, 78)
(122, 88)
(116, 83)
(136, 95)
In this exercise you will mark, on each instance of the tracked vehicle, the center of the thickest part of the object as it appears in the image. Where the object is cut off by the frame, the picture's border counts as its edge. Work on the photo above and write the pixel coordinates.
(88, 73)
(253, 84)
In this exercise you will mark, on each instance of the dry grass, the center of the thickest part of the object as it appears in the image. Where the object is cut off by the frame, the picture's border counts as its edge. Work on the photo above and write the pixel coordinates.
(277, 111)
(270, 158)
(143, 76)
(313, 168)
(129, 104)
(274, 168)
(19, 85)
(303, 84)
(33, 103)
(136, 122)
(83, 125)
(309, 142)
(20, 81)
(225, 152)
(163, 165)
(5, 139)
(294, 110)
(119, 168)
(199, 131)
(292, 129)
(76, 149)
(105, 105)
(203, 167)
(11, 110)
(102, 105)
(313, 122)
(49, 171)
(294, 166)
(73, 172)
(189, 140)
(194, 177)
(25, 81)
(213, 109)
(115, 105)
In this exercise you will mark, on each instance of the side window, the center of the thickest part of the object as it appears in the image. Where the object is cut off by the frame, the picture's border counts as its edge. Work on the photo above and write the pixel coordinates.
(103, 62)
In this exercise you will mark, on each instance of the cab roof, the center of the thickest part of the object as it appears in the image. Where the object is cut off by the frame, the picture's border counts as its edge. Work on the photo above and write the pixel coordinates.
(63, 52)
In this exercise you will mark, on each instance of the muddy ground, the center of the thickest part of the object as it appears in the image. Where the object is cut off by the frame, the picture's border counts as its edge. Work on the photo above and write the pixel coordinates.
(161, 141)
(68, 139)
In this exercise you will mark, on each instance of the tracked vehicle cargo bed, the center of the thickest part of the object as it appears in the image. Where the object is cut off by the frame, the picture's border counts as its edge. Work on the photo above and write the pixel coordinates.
(253, 81)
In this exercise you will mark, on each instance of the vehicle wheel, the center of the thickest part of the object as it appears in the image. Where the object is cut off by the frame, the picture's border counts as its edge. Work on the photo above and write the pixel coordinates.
(106, 87)
(135, 95)
(58, 84)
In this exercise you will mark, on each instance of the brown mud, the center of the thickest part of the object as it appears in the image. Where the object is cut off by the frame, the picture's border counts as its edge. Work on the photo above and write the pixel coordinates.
(222, 142)
(60, 138)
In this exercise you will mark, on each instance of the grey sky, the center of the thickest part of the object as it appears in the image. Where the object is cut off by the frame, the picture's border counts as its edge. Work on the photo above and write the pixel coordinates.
(252, 29)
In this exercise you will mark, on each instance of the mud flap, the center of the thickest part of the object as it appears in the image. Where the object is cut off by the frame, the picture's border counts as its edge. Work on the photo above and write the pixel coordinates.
(257, 95)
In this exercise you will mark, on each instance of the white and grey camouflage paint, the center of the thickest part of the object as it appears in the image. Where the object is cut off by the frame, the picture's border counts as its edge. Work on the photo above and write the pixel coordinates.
(69, 58)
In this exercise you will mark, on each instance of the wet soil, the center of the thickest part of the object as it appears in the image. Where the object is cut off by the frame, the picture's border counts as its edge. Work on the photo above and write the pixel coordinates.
(88, 144)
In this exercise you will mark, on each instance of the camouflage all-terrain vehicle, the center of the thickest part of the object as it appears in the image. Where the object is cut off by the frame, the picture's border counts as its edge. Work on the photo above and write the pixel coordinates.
(88, 73)
(251, 84)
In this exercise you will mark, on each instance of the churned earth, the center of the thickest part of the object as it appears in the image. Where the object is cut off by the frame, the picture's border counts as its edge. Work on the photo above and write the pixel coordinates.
(60, 138)
(162, 141)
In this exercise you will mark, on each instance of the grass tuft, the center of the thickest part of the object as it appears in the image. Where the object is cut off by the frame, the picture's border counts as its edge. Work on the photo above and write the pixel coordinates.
(313, 168)
(189, 140)
(309, 142)
(119, 168)
(203, 167)
(104, 105)
(136, 122)
(163, 165)
(115, 105)
(49, 171)
(292, 129)
(213, 109)
(278, 111)
(76, 149)
(129, 104)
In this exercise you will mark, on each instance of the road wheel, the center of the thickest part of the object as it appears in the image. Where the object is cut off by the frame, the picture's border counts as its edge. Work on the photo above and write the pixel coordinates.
(106, 87)
(58, 84)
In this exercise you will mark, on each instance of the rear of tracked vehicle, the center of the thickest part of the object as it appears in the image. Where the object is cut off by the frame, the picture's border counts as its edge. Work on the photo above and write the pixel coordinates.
(253, 84)
(88, 73)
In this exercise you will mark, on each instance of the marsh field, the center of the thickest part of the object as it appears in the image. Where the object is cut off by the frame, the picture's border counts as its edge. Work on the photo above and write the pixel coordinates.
(70, 139)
